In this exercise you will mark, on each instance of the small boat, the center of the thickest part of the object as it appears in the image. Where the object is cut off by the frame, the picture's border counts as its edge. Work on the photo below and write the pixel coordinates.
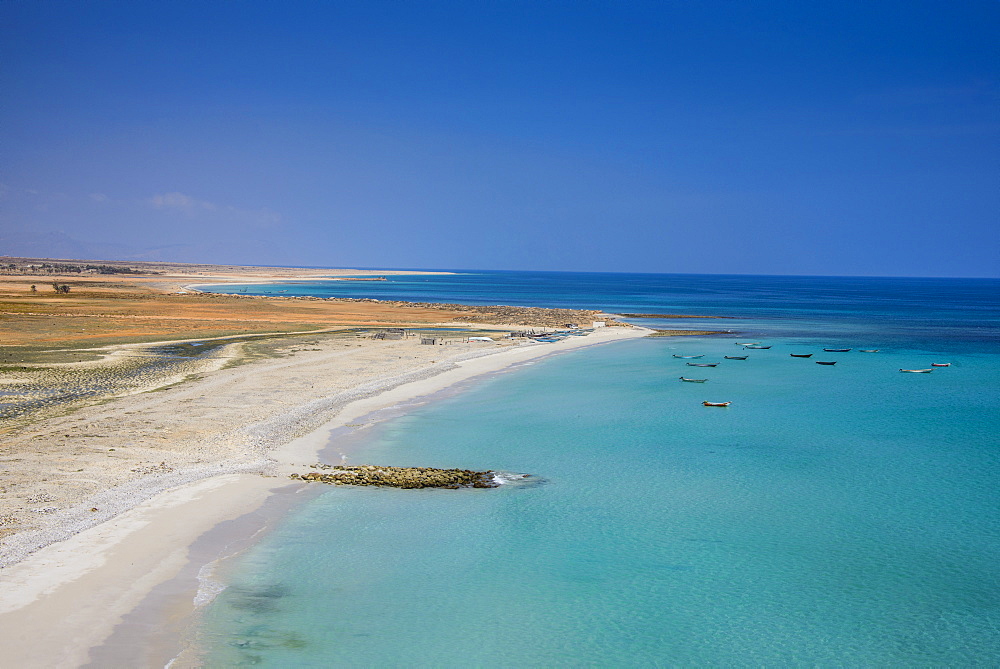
(940, 364)
(836, 350)
(694, 380)
(689, 356)
(747, 343)
(801, 355)
(736, 357)
(762, 347)
(917, 371)
(867, 350)
(716, 404)
(703, 364)
(820, 362)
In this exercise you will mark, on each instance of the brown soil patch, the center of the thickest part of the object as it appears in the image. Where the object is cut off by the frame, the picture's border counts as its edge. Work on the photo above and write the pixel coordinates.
(103, 309)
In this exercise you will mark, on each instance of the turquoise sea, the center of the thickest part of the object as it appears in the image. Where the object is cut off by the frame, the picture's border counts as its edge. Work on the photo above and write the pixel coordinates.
(839, 515)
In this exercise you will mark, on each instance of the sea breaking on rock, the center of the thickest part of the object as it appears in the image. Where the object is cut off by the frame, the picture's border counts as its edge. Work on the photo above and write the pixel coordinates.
(400, 477)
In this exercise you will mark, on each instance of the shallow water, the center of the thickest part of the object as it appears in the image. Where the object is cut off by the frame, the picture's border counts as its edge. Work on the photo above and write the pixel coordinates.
(840, 515)
(949, 313)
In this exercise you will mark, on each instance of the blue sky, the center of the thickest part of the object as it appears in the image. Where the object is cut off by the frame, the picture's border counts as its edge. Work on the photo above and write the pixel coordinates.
(849, 138)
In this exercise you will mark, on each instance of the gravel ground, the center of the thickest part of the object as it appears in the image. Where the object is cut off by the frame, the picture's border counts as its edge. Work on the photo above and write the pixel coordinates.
(93, 457)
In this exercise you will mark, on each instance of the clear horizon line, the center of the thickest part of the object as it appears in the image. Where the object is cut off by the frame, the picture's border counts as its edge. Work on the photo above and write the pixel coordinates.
(483, 269)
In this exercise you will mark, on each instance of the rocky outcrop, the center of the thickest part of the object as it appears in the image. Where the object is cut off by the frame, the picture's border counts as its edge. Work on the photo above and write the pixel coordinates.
(675, 333)
(400, 477)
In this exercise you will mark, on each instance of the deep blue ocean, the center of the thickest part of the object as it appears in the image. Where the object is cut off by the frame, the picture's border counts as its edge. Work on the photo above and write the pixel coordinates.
(843, 515)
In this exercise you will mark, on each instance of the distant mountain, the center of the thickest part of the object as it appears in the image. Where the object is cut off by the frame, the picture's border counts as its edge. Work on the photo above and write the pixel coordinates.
(30, 244)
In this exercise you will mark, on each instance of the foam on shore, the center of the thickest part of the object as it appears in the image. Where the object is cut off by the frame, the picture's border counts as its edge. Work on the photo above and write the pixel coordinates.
(91, 580)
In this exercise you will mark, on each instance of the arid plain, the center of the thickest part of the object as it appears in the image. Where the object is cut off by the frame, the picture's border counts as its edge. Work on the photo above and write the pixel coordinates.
(137, 413)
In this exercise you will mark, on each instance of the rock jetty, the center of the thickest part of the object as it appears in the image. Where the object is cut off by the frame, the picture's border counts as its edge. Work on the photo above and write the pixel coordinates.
(399, 477)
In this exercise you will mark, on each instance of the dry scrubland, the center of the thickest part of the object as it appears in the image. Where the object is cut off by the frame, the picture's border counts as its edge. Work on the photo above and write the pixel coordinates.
(113, 309)
(122, 388)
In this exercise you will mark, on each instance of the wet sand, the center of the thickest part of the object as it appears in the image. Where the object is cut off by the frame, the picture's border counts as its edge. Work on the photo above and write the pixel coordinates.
(122, 388)
(232, 438)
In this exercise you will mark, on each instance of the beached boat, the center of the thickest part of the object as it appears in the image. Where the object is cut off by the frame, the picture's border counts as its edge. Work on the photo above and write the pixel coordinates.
(917, 371)
(801, 355)
(868, 350)
(735, 357)
(836, 350)
(761, 347)
(940, 364)
(702, 364)
(820, 362)
(694, 380)
(716, 404)
(689, 356)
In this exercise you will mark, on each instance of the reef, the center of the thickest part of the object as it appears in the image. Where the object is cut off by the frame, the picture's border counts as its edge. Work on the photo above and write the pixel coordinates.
(399, 477)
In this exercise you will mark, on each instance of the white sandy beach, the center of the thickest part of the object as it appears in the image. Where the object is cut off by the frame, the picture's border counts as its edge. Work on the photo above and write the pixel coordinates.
(225, 442)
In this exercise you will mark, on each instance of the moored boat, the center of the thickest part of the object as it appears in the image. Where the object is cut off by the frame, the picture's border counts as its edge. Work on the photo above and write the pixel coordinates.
(821, 362)
(940, 364)
(836, 350)
(689, 356)
(702, 364)
(735, 357)
(716, 404)
(917, 371)
(747, 343)
(761, 347)
(693, 380)
(868, 350)
(801, 355)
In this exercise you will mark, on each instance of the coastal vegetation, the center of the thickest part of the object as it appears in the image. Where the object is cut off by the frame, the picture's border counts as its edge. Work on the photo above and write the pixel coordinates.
(156, 307)
(139, 333)
(133, 382)
(35, 268)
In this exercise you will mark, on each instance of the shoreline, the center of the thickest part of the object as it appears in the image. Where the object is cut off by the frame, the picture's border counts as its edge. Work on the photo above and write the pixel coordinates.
(234, 280)
(131, 554)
